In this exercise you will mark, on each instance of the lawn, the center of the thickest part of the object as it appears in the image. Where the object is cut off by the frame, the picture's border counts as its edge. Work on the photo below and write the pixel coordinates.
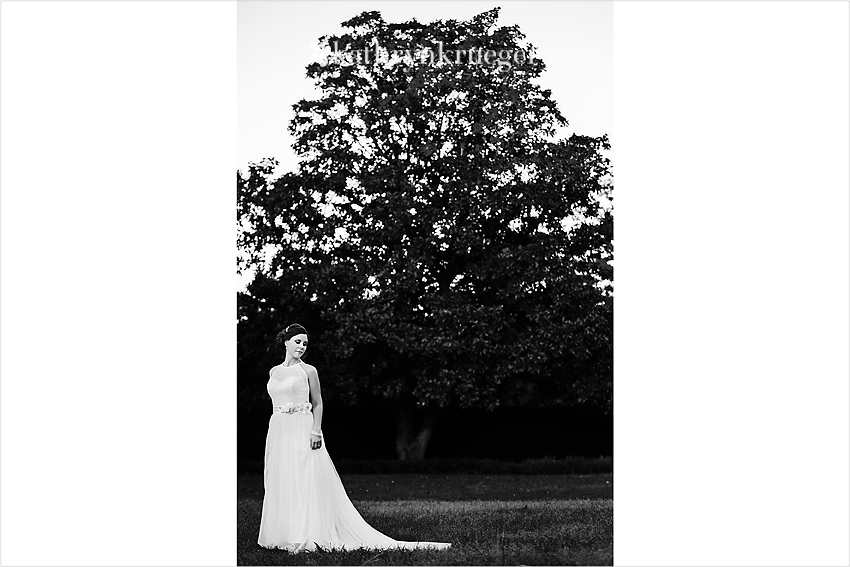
(490, 520)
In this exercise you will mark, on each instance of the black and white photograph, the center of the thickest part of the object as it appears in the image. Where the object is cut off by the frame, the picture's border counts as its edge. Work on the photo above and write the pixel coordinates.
(405, 350)
(425, 283)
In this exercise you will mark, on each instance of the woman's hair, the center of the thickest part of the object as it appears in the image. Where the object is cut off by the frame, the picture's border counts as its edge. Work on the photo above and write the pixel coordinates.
(288, 333)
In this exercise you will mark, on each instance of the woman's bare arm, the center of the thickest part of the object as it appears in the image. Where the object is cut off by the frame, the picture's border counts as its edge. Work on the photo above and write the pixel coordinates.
(318, 407)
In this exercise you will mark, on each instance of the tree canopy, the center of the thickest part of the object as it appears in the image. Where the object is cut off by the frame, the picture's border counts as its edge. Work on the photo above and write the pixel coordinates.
(449, 249)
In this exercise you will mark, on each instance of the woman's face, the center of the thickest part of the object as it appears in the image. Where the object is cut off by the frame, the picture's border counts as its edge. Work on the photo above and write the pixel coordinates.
(296, 346)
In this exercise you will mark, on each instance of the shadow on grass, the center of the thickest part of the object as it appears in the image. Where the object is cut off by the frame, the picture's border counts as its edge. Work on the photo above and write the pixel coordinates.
(459, 486)
(561, 465)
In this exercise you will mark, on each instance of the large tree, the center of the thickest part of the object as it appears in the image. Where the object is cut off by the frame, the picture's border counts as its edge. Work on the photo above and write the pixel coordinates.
(451, 248)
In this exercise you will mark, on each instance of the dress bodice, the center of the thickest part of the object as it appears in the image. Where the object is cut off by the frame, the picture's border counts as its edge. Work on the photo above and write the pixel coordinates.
(288, 385)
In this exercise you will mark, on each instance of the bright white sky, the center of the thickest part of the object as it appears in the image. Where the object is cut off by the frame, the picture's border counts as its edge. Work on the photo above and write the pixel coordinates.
(275, 44)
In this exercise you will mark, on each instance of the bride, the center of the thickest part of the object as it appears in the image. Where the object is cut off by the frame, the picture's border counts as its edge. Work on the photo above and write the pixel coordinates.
(305, 506)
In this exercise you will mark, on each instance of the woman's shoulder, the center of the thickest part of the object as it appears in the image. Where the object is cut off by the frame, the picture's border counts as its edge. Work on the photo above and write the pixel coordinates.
(309, 368)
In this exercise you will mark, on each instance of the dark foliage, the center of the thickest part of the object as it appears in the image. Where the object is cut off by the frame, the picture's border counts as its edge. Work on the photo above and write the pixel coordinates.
(442, 247)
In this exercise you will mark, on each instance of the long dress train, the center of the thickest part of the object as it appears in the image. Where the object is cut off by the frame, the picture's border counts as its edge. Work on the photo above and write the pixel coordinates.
(305, 505)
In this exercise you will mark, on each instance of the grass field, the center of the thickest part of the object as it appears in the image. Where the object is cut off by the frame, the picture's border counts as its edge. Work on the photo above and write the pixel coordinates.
(489, 519)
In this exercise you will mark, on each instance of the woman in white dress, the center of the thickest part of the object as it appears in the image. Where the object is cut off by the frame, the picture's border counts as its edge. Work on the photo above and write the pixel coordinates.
(305, 506)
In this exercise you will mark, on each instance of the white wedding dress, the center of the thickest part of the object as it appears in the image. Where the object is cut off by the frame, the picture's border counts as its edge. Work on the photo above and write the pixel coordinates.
(305, 506)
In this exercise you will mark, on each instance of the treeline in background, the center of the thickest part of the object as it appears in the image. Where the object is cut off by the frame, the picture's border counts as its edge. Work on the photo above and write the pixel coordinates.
(448, 253)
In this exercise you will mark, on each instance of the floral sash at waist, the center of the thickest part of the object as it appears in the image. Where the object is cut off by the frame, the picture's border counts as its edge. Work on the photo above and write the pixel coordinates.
(294, 408)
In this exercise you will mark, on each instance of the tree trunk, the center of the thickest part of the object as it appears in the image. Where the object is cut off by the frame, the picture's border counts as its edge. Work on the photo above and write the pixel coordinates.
(411, 441)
